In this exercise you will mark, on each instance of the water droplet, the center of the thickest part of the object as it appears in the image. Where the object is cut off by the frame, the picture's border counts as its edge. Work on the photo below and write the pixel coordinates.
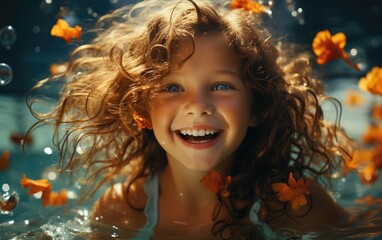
(90, 11)
(8, 36)
(36, 29)
(374, 43)
(8, 202)
(5, 187)
(85, 144)
(298, 15)
(6, 74)
(52, 176)
(48, 150)
(46, 6)
(268, 4)
(358, 56)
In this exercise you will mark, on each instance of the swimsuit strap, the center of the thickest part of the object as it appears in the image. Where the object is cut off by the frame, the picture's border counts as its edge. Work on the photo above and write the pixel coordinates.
(151, 208)
(264, 229)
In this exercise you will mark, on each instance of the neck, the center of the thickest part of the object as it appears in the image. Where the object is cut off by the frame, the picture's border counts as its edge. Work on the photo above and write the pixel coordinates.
(183, 183)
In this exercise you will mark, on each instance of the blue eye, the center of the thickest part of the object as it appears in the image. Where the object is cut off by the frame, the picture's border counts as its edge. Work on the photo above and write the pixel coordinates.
(221, 87)
(172, 88)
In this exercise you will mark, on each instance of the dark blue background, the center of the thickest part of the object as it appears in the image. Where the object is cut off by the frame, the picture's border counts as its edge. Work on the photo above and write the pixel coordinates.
(360, 20)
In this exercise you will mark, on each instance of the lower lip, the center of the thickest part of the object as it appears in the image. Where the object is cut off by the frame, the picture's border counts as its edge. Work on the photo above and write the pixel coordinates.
(200, 145)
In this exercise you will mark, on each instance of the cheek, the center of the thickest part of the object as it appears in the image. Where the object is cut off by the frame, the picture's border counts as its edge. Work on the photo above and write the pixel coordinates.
(161, 115)
(237, 115)
(157, 109)
(157, 118)
(237, 108)
(160, 126)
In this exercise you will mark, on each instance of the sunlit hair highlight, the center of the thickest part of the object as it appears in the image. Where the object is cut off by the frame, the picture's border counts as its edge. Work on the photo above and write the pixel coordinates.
(119, 72)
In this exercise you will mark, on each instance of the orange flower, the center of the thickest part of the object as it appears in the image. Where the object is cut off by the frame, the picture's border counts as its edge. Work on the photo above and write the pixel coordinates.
(372, 82)
(353, 98)
(45, 198)
(377, 112)
(368, 174)
(248, 5)
(214, 182)
(293, 192)
(141, 122)
(63, 30)
(4, 160)
(43, 185)
(372, 134)
(35, 186)
(360, 157)
(328, 48)
(58, 198)
(369, 200)
(377, 160)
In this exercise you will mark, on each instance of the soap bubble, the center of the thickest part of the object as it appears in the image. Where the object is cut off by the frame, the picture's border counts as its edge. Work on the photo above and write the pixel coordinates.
(8, 36)
(6, 74)
(8, 202)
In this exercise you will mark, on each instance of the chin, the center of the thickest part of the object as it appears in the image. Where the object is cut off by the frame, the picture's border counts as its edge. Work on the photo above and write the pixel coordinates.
(202, 166)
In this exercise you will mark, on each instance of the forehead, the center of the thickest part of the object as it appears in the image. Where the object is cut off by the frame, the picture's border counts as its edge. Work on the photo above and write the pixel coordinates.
(211, 50)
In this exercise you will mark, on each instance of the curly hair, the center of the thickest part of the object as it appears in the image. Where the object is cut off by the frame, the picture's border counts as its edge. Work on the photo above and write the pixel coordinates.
(117, 74)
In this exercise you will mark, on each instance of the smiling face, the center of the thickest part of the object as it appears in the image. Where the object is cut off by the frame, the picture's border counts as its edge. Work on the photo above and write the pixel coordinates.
(202, 113)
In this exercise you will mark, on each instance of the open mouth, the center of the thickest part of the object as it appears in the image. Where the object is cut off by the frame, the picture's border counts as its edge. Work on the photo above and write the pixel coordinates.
(198, 135)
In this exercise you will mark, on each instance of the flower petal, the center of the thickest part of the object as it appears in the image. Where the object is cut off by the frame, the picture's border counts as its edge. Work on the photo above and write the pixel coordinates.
(293, 192)
(213, 181)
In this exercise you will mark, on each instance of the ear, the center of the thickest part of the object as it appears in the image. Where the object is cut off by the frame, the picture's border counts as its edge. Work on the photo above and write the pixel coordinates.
(253, 121)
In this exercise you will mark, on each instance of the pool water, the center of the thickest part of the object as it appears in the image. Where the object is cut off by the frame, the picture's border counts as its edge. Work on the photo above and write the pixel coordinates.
(30, 220)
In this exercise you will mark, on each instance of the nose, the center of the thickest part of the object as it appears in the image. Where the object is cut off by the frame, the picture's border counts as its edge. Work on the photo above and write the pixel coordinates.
(199, 104)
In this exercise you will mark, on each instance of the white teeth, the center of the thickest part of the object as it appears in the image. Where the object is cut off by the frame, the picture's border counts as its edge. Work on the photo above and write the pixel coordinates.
(195, 132)
(200, 132)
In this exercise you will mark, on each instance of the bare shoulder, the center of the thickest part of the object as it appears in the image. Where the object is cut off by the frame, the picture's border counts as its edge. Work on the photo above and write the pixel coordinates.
(122, 208)
(323, 209)
(320, 212)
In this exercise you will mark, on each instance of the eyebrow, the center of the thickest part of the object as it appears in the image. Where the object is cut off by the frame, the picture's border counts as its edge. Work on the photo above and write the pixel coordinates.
(228, 72)
(217, 72)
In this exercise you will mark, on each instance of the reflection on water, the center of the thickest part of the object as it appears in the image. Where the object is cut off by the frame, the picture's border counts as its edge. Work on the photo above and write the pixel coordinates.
(74, 224)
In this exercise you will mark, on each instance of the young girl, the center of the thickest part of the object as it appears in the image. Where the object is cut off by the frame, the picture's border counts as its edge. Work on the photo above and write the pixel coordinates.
(203, 126)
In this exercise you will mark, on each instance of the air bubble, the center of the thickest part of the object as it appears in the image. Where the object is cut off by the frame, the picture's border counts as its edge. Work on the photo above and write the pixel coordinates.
(6, 74)
(8, 36)
(9, 202)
